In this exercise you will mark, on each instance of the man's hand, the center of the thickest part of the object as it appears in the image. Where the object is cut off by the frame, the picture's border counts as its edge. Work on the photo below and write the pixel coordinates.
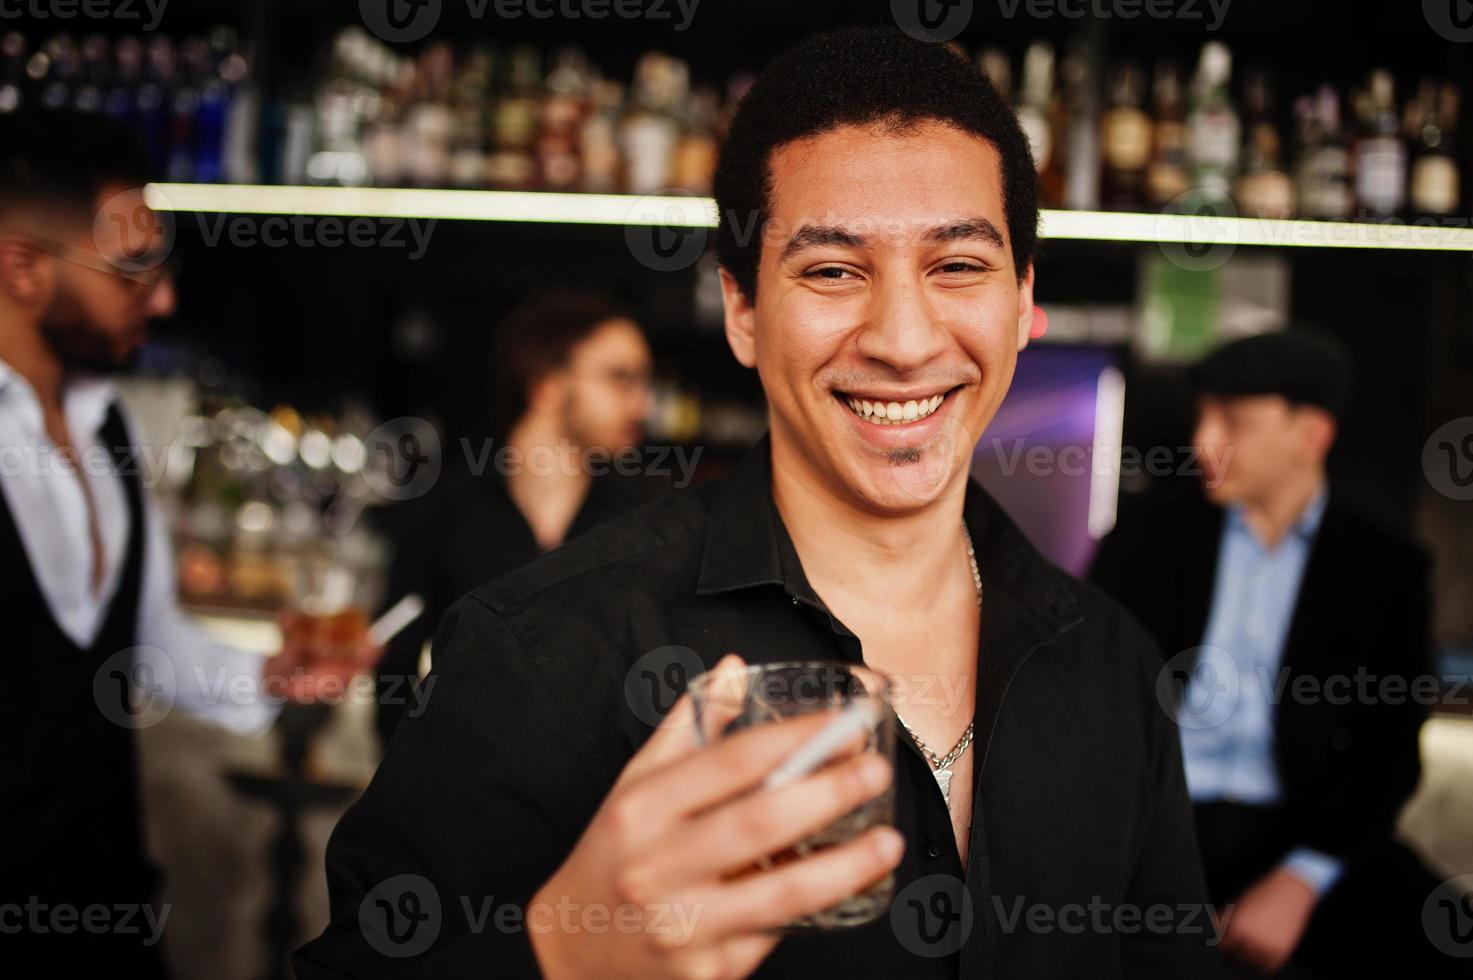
(659, 855)
(307, 670)
(1268, 920)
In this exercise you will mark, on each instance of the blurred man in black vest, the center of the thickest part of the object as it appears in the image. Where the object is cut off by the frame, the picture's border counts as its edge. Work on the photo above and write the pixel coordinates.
(570, 389)
(1272, 598)
(92, 633)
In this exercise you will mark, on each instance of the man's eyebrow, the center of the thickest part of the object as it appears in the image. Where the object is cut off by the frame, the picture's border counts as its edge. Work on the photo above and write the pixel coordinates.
(971, 228)
(815, 236)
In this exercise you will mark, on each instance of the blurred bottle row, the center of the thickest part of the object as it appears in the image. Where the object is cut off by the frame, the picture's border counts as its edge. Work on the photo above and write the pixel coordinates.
(1168, 142)
(260, 502)
(519, 118)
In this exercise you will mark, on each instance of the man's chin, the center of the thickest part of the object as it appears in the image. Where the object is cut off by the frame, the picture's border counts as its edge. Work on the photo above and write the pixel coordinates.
(904, 479)
(1218, 491)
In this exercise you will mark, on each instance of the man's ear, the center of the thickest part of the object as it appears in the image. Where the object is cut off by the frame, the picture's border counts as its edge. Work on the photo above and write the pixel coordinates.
(1027, 312)
(1320, 431)
(546, 394)
(740, 320)
(24, 276)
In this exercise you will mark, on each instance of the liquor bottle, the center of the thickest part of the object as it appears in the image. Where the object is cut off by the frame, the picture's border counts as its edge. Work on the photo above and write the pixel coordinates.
(1323, 183)
(1431, 118)
(696, 153)
(1213, 129)
(598, 139)
(183, 108)
(150, 103)
(205, 61)
(1037, 116)
(1167, 177)
(560, 118)
(1081, 144)
(1380, 154)
(648, 135)
(998, 69)
(392, 78)
(12, 71)
(120, 99)
(60, 66)
(468, 139)
(1264, 189)
(1125, 142)
(512, 165)
(94, 74)
(430, 120)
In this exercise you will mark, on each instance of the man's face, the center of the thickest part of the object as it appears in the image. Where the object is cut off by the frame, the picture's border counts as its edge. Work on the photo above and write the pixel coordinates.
(608, 390)
(1251, 444)
(97, 318)
(886, 277)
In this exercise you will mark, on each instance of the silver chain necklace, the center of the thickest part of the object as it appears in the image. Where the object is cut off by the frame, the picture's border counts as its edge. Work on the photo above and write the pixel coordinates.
(941, 767)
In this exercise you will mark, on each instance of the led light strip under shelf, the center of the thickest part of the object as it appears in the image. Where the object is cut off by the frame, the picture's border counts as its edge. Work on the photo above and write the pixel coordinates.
(696, 212)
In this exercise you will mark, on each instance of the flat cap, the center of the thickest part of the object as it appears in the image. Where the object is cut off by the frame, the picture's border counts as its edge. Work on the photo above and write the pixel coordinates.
(1304, 367)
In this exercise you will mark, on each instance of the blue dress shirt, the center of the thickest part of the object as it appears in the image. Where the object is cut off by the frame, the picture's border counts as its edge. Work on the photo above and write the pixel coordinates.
(1229, 754)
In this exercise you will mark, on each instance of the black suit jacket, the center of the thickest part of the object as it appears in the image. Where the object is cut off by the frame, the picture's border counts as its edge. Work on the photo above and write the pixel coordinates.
(1347, 762)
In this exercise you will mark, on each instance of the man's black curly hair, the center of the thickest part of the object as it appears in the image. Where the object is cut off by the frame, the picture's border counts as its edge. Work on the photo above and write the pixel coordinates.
(861, 76)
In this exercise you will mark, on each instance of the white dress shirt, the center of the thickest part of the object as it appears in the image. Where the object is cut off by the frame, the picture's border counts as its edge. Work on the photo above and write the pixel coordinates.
(43, 490)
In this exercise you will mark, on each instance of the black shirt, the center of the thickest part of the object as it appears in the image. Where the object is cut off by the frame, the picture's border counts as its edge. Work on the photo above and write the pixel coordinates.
(462, 534)
(1082, 859)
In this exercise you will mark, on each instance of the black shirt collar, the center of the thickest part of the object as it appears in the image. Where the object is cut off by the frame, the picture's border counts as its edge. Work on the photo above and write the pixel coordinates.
(747, 545)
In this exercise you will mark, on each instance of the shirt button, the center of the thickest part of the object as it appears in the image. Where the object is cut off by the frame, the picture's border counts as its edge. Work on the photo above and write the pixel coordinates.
(933, 850)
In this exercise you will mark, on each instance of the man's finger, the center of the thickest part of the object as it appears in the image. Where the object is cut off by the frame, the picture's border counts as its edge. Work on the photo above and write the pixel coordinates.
(761, 824)
(767, 900)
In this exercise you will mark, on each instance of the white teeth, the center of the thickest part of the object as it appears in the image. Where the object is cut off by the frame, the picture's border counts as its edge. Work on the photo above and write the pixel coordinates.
(894, 413)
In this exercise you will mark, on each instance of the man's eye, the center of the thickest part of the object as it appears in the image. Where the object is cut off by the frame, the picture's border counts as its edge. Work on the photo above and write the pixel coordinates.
(962, 267)
(832, 272)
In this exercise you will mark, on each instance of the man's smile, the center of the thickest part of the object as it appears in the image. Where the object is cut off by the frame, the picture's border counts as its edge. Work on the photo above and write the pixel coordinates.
(894, 408)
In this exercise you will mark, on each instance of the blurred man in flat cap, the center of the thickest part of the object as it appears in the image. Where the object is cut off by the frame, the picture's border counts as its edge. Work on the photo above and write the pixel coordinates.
(1298, 638)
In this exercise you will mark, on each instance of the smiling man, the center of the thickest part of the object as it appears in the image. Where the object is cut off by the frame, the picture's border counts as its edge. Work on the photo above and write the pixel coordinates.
(879, 215)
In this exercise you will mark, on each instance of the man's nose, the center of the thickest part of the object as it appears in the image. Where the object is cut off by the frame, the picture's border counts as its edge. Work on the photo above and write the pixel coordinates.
(901, 328)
